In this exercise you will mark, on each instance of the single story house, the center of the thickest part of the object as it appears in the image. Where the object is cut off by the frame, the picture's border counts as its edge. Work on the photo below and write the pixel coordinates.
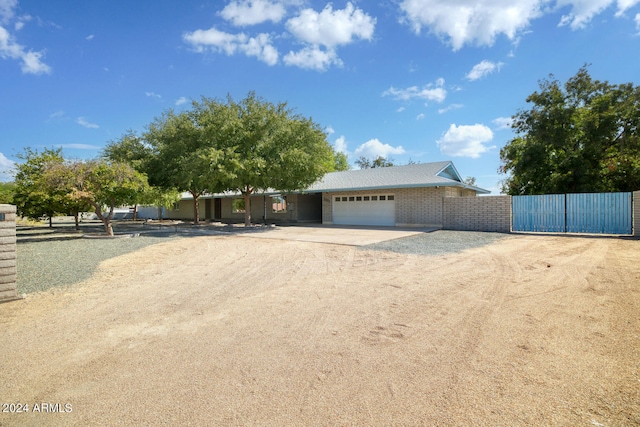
(407, 196)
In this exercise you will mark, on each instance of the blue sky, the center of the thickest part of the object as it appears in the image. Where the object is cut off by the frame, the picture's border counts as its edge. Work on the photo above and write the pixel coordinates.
(420, 80)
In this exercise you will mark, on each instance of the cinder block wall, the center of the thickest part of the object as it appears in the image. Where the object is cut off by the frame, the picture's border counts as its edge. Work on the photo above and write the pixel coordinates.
(636, 213)
(420, 207)
(488, 213)
(8, 253)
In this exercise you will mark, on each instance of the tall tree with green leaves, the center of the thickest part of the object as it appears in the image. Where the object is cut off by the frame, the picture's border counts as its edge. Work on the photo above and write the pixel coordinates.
(266, 146)
(6, 192)
(98, 183)
(583, 136)
(183, 155)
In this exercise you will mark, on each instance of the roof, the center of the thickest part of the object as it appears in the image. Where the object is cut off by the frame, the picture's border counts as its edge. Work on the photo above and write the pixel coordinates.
(436, 174)
(408, 176)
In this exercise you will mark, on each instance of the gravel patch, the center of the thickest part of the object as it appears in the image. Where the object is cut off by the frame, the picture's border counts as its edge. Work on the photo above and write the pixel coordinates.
(66, 259)
(438, 242)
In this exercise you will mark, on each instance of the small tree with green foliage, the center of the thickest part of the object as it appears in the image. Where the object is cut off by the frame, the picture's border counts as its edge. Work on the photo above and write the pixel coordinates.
(101, 184)
(6, 192)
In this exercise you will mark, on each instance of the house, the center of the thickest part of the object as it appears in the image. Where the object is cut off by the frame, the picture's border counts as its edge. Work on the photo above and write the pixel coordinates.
(407, 196)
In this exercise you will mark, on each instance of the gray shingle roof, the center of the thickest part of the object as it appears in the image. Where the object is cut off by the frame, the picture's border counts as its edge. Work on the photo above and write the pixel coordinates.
(407, 176)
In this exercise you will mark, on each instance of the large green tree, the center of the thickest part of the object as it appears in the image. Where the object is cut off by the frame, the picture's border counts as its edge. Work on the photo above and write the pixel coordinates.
(582, 136)
(378, 162)
(265, 146)
(184, 156)
(98, 183)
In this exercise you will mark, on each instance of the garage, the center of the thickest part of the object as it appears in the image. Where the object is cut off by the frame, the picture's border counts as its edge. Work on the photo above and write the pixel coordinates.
(374, 209)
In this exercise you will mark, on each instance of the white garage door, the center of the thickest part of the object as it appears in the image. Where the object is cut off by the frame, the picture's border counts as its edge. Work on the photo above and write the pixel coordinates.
(379, 209)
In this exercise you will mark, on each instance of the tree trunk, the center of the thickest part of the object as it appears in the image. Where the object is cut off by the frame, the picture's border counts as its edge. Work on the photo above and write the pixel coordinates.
(106, 220)
(77, 221)
(247, 206)
(135, 212)
(196, 217)
(50, 222)
(159, 213)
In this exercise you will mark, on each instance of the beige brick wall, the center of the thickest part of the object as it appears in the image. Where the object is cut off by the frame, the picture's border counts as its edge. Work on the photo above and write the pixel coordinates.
(8, 254)
(636, 213)
(421, 207)
(488, 213)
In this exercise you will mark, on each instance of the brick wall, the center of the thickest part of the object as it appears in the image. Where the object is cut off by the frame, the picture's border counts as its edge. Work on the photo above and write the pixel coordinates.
(8, 253)
(488, 213)
(636, 213)
(420, 206)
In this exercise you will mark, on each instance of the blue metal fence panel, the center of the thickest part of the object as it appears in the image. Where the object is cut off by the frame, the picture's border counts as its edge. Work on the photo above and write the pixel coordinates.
(605, 213)
(543, 213)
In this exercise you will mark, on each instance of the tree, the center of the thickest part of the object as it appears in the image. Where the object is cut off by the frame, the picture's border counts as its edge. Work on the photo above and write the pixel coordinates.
(580, 137)
(264, 146)
(341, 162)
(33, 199)
(185, 155)
(99, 183)
(6, 192)
(470, 180)
(133, 150)
(378, 162)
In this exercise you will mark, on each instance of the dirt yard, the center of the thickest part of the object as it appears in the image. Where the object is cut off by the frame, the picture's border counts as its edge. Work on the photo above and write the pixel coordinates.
(231, 330)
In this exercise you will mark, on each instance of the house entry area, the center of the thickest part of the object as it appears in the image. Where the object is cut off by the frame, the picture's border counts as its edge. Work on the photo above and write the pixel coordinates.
(372, 209)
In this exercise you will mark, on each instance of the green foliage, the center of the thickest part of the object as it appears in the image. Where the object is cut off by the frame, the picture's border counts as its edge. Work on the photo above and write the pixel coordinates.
(341, 162)
(97, 183)
(580, 137)
(33, 199)
(6, 192)
(378, 162)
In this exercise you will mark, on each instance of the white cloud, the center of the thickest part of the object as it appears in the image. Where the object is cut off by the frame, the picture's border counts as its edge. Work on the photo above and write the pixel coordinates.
(7, 10)
(431, 92)
(450, 108)
(251, 12)
(420, 116)
(583, 11)
(313, 58)
(341, 145)
(400, 110)
(7, 167)
(637, 20)
(153, 95)
(57, 115)
(89, 37)
(31, 61)
(329, 130)
(462, 22)
(332, 28)
(502, 123)
(181, 100)
(465, 141)
(219, 41)
(83, 122)
(480, 22)
(482, 69)
(374, 148)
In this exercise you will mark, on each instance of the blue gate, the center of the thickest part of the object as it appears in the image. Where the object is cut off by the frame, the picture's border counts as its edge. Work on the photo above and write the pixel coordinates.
(538, 213)
(601, 213)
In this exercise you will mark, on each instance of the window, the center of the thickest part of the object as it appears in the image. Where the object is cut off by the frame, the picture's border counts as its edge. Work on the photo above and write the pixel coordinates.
(374, 198)
(344, 199)
(366, 198)
(337, 199)
(383, 197)
(278, 204)
(352, 198)
(391, 197)
(358, 198)
(237, 206)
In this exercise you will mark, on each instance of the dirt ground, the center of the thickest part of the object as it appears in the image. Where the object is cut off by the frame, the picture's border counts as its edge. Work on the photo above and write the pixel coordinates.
(230, 330)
